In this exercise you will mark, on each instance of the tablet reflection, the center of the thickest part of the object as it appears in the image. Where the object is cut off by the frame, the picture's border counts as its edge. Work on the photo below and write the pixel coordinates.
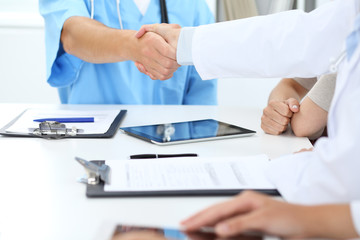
(123, 232)
(179, 131)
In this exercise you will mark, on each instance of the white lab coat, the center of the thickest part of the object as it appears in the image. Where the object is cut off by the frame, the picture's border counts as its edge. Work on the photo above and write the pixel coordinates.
(331, 173)
(302, 46)
(296, 44)
(287, 44)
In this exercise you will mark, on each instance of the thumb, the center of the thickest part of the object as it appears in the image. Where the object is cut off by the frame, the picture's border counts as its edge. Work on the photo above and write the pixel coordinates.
(144, 29)
(293, 104)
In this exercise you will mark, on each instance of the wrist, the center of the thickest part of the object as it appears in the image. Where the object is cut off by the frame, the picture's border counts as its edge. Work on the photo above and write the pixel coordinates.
(329, 221)
(175, 37)
(127, 45)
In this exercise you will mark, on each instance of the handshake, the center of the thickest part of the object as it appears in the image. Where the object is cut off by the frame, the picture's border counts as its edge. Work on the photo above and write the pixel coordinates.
(157, 56)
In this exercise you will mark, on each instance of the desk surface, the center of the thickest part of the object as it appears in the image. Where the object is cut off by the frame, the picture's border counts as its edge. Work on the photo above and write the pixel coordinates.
(40, 198)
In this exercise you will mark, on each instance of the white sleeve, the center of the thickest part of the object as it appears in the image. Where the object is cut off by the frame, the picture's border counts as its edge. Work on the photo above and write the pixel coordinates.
(184, 48)
(287, 44)
(355, 212)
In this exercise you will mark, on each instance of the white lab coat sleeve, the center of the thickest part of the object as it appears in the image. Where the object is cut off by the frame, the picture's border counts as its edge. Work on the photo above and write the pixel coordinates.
(184, 48)
(287, 44)
(355, 212)
(309, 178)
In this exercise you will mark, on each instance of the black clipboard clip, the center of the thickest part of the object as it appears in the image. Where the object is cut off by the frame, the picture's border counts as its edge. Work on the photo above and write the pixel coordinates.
(94, 172)
(54, 130)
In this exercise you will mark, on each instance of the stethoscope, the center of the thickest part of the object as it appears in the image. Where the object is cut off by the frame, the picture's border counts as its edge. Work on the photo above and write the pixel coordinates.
(335, 63)
(163, 10)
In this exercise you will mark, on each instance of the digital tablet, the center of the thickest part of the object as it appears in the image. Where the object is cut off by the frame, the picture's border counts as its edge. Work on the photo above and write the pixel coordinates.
(186, 132)
(135, 232)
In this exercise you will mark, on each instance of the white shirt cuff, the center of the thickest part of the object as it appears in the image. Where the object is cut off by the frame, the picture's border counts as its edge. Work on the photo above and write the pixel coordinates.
(355, 212)
(184, 47)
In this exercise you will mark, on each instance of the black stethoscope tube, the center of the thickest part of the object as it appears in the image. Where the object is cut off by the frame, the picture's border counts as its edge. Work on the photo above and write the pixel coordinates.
(164, 12)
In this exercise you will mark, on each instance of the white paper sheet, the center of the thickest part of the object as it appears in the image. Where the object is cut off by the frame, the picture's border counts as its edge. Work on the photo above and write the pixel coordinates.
(103, 120)
(189, 174)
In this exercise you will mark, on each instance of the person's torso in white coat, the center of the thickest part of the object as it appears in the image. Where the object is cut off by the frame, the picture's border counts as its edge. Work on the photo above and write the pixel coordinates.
(298, 44)
(301, 44)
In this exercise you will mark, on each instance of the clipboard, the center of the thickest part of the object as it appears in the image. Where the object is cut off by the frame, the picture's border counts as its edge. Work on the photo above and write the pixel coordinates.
(62, 131)
(97, 191)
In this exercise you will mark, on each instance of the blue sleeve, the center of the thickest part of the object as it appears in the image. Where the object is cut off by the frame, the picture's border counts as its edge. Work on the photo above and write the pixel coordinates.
(61, 68)
(201, 92)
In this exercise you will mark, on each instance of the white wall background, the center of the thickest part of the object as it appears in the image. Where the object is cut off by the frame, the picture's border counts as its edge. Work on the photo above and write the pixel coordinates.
(22, 67)
(22, 54)
(22, 62)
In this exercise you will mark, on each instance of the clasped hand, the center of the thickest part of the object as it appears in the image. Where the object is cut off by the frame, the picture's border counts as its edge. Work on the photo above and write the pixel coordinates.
(158, 58)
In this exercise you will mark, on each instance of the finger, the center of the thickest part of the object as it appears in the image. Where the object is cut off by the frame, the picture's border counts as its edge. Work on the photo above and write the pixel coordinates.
(159, 72)
(273, 128)
(216, 213)
(166, 54)
(166, 50)
(168, 58)
(282, 108)
(155, 28)
(159, 66)
(270, 126)
(293, 104)
(275, 120)
(144, 29)
(269, 130)
(162, 29)
(158, 58)
(248, 222)
(140, 67)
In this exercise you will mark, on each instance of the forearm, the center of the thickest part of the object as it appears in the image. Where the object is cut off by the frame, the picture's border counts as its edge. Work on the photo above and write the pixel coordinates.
(310, 121)
(329, 221)
(94, 42)
(287, 88)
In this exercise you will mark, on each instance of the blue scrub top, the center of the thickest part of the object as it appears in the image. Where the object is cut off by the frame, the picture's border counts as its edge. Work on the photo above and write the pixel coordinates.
(80, 82)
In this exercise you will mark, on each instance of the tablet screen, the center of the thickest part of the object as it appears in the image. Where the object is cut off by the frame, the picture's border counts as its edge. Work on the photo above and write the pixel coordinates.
(201, 130)
(126, 232)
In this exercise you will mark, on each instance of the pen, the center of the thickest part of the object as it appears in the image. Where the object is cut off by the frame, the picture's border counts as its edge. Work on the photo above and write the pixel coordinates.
(67, 120)
(144, 156)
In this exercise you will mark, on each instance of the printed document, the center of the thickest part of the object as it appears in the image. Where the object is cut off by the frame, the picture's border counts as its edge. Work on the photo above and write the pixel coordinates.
(189, 174)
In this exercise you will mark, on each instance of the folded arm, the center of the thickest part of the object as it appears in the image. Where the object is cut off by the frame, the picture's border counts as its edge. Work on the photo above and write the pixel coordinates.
(283, 103)
(310, 121)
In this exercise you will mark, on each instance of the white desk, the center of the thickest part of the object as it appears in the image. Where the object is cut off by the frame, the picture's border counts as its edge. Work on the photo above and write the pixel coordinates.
(39, 195)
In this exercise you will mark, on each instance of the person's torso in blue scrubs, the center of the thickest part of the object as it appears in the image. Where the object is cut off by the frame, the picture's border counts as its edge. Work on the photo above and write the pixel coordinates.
(81, 82)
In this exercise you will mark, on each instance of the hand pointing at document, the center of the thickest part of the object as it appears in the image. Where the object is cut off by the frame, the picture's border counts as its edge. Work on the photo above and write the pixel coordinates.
(170, 33)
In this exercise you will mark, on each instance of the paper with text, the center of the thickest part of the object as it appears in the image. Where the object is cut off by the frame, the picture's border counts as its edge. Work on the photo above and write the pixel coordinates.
(189, 174)
(103, 120)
